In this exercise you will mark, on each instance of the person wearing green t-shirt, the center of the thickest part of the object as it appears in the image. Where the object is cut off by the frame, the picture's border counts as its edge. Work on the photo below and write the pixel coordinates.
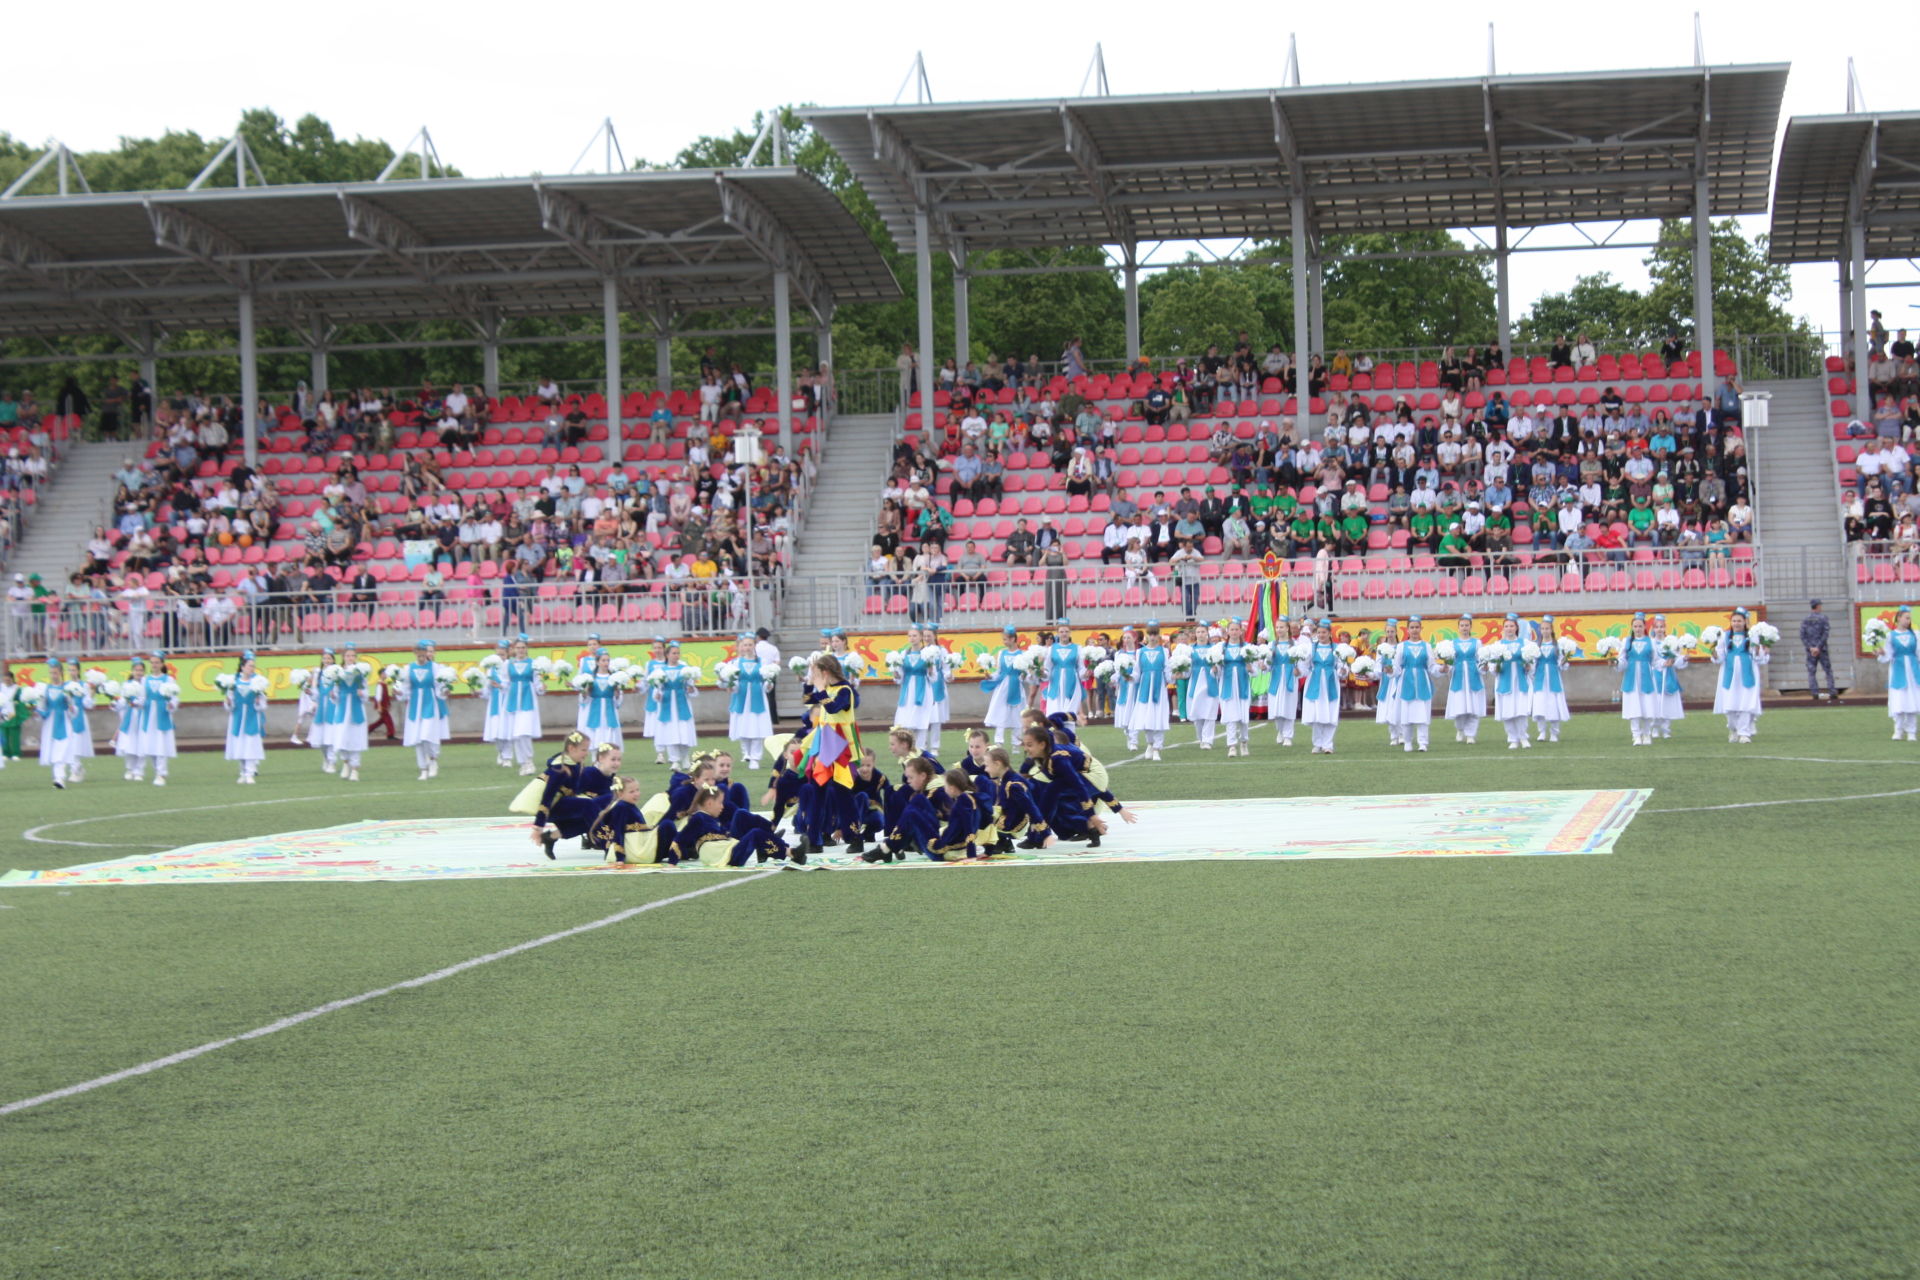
(1285, 504)
(1453, 550)
(1353, 534)
(1262, 504)
(1327, 531)
(1421, 526)
(1300, 535)
(1640, 519)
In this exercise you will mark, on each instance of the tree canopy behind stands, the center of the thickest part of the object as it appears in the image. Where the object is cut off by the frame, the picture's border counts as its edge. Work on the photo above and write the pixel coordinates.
(1750, 296)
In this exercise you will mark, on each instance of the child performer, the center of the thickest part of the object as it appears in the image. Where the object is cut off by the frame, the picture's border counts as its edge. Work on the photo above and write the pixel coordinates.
(154, 739)
(1386, 697)
(1320, 701)
(519, 707)
(1006, 698)
(492, 727)
(674, 731)
(349, 740)
(600, 699)
(1236, 691)
(1739, 658)
(1203, 690)
(1151, 712)
(247, 720)
(1466, 691)
(1066, 668)
(1016, 812)
(650, 716)
(1672, 704)
(1549, 684)
(1413, 689)
(1640, 661)
(1122, 692)
(126, 737)
(1283, 686)
(749, 715)
(1512, 686)
(426, 711)
(1901, 655)
(59, 743)
(939, 711)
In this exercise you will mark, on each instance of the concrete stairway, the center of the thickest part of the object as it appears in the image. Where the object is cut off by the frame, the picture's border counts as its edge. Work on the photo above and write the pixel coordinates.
(1796, 506)
(839, 527)
(54, 544)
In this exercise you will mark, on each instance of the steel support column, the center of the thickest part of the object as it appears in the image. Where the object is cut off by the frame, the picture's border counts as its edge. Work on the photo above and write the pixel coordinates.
(1703, 284)
(316, 371)
(1317, 307)
(149, 362)
(610, 331)
(662, 361)
(1299, 234)
(783, 357)
(249, 379)
(962, 317)
(923, 298)
(1503, 289)
(490, 367)
(1860, 345)
(1131, 273)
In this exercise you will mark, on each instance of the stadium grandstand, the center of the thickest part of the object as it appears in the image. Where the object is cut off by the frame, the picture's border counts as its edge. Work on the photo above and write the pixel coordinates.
(1010, 491)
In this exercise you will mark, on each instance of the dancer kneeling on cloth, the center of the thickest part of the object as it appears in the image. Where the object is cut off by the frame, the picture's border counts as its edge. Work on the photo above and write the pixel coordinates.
(574, 791)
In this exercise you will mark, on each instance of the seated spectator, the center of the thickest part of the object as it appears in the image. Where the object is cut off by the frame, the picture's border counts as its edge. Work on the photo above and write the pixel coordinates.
(1021, 544)
(1453, 550)
(970, 570)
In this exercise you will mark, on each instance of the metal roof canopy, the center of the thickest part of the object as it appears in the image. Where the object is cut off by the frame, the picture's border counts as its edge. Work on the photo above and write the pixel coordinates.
(481, 250)
(1824, 163)
(1497, 150)
(1848, 192)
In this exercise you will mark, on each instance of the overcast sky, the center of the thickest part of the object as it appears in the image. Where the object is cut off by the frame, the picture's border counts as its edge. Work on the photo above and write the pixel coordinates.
(510, 89)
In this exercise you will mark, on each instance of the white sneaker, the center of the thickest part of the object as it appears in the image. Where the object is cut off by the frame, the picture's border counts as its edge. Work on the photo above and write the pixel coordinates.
(659, 757)
(526, 771)
(294, 739)
(1206, 746)
(1744, 739)
(422, 777)
(1513, 746)
(1526, 744)
(433, 767)
(159, 782)
(326, 766)
(353, 775)
(1409, 746)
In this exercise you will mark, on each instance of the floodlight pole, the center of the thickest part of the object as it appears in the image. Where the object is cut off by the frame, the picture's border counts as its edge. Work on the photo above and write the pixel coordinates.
(610, 330)
(923, 291)
(783, 357)
(249, 377)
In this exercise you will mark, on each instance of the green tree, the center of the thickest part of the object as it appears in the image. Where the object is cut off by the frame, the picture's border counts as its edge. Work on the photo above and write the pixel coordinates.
(1191, 307)
(1607, 311)
(1037, 314)
(1750, 294)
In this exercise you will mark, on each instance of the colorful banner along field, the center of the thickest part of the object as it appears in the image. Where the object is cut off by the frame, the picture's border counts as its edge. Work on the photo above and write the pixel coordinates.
(1865, 613)
(196, 673)
(1463, 824)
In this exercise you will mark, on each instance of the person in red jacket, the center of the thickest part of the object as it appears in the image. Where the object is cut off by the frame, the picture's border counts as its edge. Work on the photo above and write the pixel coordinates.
(383, 702)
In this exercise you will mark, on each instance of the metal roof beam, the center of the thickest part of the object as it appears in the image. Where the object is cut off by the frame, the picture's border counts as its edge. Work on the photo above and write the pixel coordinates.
(758, 225)
(178, 231)
(28, 253)
(563, 216)
(399, 241)
(1086, 157)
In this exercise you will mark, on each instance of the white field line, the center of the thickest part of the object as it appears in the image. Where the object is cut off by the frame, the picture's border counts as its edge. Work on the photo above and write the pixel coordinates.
(294, 1020)
(33, 833)
(1762, 804)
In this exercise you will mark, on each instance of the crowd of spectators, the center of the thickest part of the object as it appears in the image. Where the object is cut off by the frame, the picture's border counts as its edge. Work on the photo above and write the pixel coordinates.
(1591, 482)
(691, 530)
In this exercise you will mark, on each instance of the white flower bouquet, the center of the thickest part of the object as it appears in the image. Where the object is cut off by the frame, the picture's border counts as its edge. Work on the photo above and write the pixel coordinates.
(617, 665)
(1366, 667)
(1764, 633)
(1675, 646)
(363, 669)
(487, 663)
(474, 678)
(331, 673)
(796, 664)
(1105, 671)
(1569, 648)
(1444, 651)
(1346, 651)
(1495, 653)
(1610, 646)
(582, 681)
(1302, 649)
(896, 660)
(1213, 655)
(299, 676)
(35, 696)
(1023, 663)
(1530, 652)
(389, 672)
(690, 675)
(169, 688)
(255, 684)
(224, 682)
(1873, 637)
(989, 664)
(1180, 665)
(1710, 636)
(77, 690)
(1095, 653)
(1125, 664)
(112, 689)
(95, 677)
(726, 674)
(630, 677)
(562, 669)
(443, 675)
(543, 666)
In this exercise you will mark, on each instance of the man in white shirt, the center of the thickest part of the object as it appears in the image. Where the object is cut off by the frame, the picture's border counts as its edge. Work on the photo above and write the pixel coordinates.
(973, 426)
(456, 402)
(1519, 430)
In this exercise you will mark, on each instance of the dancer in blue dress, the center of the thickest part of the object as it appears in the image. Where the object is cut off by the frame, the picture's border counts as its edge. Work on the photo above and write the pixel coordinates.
(1512, 685)
(1738, 697)
(158, 701)
(60, 743)
(127, 720)
(1005, 689)
(353, 692)
(1672, 700)
(1235, 700)
(650, 713)
(1466, 688)
(1152, 692)
(938, 709)
(1639, 661)
(749, 709)
(600, 697)
(246, 702)
(1413, 663)
(520, 704)
(1549, 684)
(1900, 654)
(1066, 668)
(423, 682)
(493, 667)
(1321, 666)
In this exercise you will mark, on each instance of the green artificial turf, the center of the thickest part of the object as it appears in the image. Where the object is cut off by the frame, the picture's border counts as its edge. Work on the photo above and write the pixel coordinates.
(1694, 1057)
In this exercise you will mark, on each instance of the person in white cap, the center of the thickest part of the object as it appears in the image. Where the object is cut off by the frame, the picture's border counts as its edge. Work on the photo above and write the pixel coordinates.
(1236, 690)
(1741, 682)
(159, 698)
(1413, 664)
(1283, 685)
(1899, 652)
(1324, 673)
(426, 709)
(1386, 701)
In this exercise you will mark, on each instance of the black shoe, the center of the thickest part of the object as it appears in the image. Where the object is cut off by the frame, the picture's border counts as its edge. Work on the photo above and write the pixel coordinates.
(1003, 845)
(856, 845)
(546, 845)
(876, 855)
(1093, 841)
(1034, 842)
(813, 847)
(798, 857)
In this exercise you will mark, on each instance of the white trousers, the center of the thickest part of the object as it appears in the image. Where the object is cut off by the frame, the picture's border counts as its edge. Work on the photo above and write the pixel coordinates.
(1323, 736)
(1516, 730)
(1549, 729)
(426, 753)
(1469, 727)
(1203, 731)
(1415, 735)
(1907, 722)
